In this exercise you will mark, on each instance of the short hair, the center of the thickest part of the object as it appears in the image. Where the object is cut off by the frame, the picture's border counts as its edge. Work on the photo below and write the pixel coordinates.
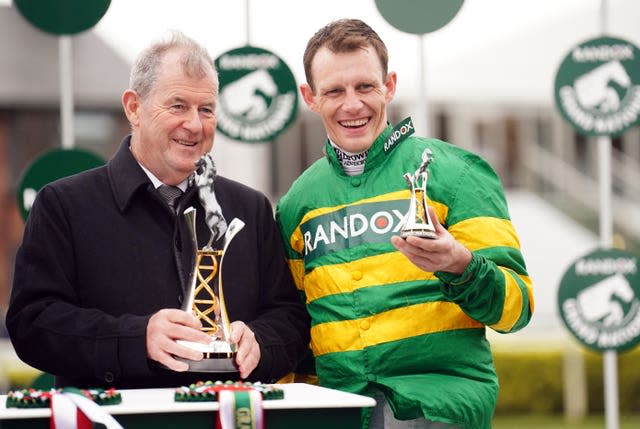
(344, 35)
(195, 59)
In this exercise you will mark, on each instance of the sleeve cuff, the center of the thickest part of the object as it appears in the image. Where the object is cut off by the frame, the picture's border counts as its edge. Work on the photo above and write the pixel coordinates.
(460, 279)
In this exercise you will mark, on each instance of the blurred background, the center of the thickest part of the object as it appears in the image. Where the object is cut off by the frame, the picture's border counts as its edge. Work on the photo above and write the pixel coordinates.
(488, 87)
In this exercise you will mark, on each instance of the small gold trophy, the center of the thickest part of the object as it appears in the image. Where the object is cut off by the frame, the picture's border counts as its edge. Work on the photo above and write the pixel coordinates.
(417, 221)
(206, 295)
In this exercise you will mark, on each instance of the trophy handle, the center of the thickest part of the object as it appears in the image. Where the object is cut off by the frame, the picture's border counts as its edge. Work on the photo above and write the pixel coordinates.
(233, 228)
(190, 217)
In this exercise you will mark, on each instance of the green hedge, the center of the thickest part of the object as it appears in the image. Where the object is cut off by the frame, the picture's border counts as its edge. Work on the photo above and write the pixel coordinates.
(531, 382)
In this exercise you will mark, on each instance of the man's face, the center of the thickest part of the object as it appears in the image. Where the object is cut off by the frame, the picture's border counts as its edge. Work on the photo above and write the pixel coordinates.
(351, 96)
(175, 125)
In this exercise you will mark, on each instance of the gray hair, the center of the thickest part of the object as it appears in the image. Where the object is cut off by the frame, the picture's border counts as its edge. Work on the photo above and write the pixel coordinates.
(195, 60)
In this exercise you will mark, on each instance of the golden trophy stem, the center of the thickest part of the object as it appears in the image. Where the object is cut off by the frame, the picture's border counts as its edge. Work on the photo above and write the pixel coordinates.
(206, 305)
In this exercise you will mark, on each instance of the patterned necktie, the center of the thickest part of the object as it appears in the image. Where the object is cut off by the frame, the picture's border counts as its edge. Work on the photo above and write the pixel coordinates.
(170, 194)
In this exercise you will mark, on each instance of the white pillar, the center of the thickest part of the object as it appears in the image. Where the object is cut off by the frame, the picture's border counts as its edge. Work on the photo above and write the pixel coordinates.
(248, 163)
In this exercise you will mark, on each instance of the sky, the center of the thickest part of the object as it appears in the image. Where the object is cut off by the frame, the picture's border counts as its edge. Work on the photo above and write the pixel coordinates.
(502, 50)
(505, 49)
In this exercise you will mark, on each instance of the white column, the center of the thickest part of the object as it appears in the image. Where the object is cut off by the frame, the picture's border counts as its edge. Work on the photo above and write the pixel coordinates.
(248, 163)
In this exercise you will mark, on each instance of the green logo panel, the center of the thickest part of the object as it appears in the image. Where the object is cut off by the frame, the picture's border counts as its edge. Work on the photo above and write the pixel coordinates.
(418, 16)
(50, 166)
(258, 95)
(63, 17)
(597, 87)
(599, 300)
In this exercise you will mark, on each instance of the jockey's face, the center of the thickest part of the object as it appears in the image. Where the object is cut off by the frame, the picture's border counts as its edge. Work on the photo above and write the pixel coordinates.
(175, 125)
(350, 94)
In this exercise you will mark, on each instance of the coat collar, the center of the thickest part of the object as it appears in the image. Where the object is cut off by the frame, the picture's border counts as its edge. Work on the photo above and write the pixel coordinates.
(125, 175)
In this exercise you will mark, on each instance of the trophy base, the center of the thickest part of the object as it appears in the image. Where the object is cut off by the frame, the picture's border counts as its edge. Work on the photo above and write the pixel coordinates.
(422, 233)
(219, 356)
(216, 362)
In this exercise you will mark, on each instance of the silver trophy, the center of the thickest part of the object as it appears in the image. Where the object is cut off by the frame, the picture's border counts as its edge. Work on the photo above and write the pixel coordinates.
(206, 295)
(417, 221)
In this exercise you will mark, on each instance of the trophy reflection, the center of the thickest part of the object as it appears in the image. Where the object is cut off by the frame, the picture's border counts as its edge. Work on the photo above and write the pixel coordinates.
(205, 297)
(417, 221)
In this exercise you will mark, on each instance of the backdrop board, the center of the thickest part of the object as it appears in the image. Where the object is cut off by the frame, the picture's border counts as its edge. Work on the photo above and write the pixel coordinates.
(49, 166)
(599, 300)
(62, 17)
(597, 86)
(258, 95)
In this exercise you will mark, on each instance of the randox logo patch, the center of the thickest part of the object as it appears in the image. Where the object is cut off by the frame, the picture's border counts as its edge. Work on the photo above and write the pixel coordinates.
(400, 132)
(352, 226)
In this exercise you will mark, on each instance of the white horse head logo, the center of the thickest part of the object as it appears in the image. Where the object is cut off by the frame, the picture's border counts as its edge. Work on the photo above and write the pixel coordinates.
(597, 302)
(593, 89)
(248, 95)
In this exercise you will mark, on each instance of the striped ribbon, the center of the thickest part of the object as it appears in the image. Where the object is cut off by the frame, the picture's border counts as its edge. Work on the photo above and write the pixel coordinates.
(240, 410)
(70, 409)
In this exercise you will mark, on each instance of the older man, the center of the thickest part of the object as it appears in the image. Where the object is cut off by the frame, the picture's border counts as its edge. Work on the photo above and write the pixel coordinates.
(102, 270)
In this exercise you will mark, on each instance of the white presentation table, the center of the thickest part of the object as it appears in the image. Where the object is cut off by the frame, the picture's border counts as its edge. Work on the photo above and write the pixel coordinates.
(303, 404)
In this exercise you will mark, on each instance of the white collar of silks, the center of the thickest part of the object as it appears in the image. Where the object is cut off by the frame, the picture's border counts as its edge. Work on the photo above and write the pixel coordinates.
(70, 409)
